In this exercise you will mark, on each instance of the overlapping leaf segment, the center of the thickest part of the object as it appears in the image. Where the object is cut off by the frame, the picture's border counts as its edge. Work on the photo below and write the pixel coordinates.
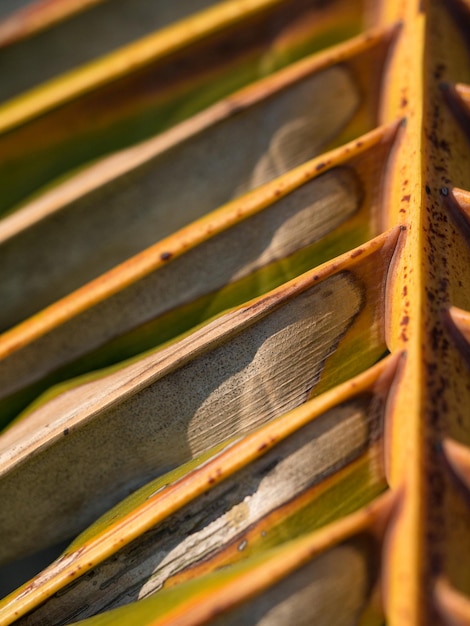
(234, 263)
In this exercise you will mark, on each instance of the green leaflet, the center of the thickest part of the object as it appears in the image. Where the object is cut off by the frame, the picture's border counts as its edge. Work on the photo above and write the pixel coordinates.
(153, 85)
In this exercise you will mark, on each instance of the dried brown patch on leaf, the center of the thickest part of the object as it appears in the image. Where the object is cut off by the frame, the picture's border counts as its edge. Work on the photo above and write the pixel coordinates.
(240, 371)
(200, 271)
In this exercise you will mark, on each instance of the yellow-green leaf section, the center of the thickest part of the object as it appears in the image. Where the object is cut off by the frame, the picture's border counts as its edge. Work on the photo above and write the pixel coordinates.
(152, 84)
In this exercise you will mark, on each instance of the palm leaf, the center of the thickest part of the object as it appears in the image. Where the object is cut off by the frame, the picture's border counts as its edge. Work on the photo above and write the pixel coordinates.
(150, 85)
(256, 321)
